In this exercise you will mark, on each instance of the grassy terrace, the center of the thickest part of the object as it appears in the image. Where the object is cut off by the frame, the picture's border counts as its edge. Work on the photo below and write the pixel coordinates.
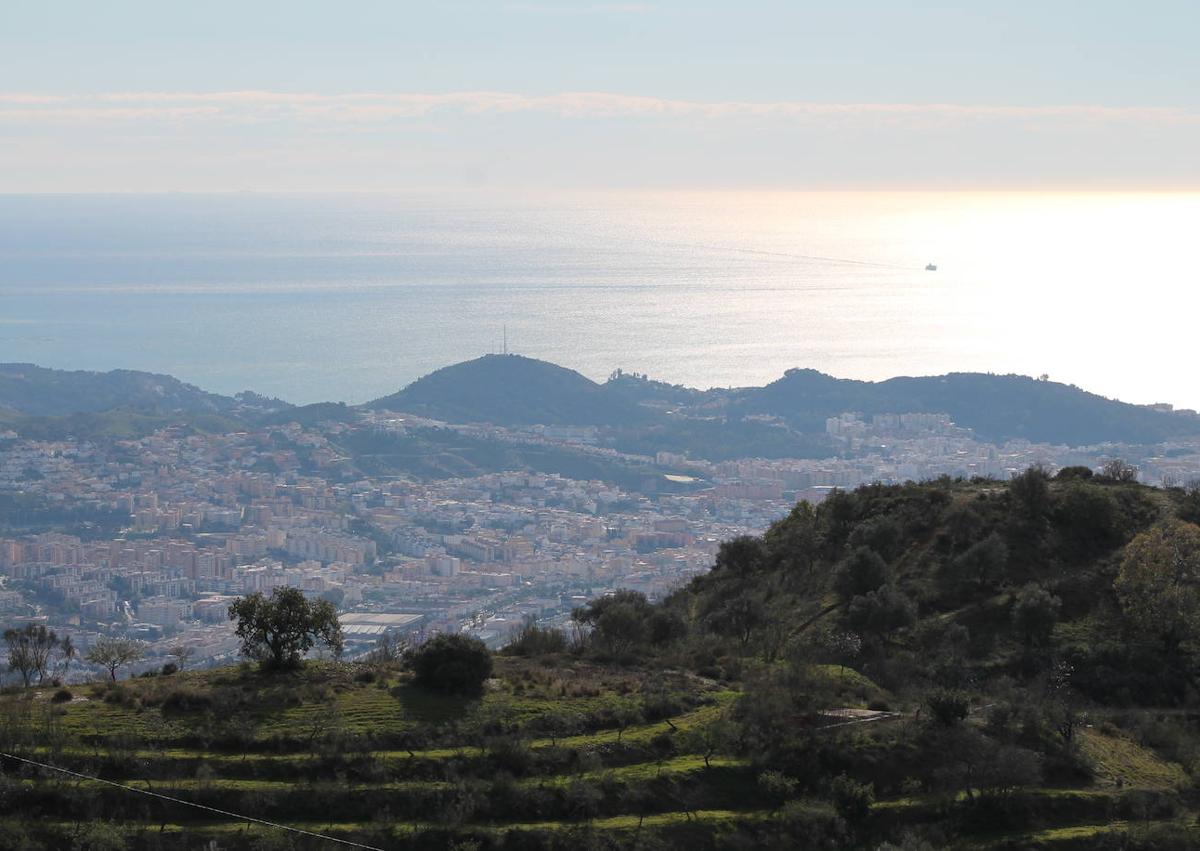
(540, 749)
(544, 750)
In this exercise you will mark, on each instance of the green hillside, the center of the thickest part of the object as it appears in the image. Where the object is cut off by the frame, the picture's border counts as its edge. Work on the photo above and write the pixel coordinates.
(941, 665)
(38, 391)
(997, 407)
(512, 390)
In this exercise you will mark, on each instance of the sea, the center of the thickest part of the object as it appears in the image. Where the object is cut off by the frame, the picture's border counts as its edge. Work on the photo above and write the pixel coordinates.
(350, 297)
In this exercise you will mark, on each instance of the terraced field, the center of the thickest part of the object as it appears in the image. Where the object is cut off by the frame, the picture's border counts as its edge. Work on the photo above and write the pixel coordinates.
(191, 758)
(351, 755)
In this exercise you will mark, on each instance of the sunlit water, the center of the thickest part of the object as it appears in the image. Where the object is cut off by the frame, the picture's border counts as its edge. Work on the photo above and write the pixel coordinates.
(350, 297)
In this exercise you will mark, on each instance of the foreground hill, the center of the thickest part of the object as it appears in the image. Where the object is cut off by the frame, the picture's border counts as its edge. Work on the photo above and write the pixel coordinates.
(948, 664)
(512, 390)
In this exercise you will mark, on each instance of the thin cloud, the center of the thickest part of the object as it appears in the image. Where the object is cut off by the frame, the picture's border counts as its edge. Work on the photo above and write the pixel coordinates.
(584, 9)
(379, 106)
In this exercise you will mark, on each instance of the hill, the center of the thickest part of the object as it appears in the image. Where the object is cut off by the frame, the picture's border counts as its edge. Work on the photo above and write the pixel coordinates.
(512, 390)
(948, 664)
(40, 392)
(997, 407)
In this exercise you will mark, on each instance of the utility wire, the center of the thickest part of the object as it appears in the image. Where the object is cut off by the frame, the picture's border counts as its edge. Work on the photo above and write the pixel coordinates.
(193, 804)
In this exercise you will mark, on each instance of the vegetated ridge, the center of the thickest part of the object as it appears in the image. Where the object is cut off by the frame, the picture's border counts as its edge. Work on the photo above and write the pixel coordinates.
(510, 390)
(947, 664)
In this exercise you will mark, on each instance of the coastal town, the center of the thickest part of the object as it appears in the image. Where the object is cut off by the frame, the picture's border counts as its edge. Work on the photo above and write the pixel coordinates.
(153, 538)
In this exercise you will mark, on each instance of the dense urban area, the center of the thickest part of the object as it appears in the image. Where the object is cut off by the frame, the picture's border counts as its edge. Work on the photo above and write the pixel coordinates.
(152, 538)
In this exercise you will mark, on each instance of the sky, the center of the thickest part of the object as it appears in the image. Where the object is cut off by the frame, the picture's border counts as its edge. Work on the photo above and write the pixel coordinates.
(384, 96)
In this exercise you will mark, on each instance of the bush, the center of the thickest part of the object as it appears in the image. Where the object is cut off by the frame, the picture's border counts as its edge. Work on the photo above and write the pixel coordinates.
(532, 640)
(947, 706)
(452, 663)
(169, 669)
(186, 700)
(62, 696)
(851, 799)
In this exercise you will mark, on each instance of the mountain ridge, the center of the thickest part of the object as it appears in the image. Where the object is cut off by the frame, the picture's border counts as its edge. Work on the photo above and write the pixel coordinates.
(512, 390)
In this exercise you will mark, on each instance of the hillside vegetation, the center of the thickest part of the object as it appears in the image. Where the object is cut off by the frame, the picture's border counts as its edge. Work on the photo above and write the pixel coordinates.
(786, 418)
(40, 392)
(512, 390)
(947, 664)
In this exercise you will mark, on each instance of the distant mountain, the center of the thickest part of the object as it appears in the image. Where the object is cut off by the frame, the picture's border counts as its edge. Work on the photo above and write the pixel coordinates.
(785, 417)
(41, 392)
(996, 407)
(513, 390)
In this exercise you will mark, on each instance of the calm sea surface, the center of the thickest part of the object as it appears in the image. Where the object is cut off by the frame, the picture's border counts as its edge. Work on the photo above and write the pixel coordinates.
(350, 297)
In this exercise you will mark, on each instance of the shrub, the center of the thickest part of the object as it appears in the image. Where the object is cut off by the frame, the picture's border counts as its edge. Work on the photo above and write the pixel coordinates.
(451, 663)
(169, 669)
(529, 639)
(777, 788)
(186, 700)
(62, 696)
(947, 706)
(851, 799)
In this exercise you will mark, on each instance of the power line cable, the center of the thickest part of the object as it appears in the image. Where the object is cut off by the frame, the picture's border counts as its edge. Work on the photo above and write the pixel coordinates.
(193, 804)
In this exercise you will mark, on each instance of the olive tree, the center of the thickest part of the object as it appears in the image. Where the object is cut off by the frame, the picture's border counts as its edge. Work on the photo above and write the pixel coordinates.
(280, 630)
(115, 653)
(1159, 582)
(29, 651)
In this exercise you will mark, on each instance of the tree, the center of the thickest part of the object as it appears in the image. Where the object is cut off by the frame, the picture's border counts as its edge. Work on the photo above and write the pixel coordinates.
(620, 622)
(982, 565)
(738, 616)
(388, 650)
(452, 663)
(1034, 614)
(845, 647)
(279, 631)
(114, 653)
(1030, 492)
(851, 799)
(1158, 584)
(947, 706)
(66, 655)
(1118, 471)
(29, 650)
(183, 652)
(714, 737)
(740, 556)
(777, 788)
(882, 611)
(859, 573)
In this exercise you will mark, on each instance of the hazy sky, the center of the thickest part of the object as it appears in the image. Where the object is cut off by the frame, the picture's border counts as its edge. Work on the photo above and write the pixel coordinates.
(351, 95)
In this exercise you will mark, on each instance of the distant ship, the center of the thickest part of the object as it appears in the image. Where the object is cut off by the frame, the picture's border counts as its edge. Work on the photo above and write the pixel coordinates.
(930, 267)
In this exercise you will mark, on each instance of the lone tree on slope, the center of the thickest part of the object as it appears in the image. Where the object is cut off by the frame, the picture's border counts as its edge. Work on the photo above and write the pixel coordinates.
(114, 653)
(279, 631)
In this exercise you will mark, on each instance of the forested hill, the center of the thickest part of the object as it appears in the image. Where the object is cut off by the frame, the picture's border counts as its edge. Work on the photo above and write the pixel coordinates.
(36, 391)
(965, 584)
(997, 407)
(513, 390)
(650, 415)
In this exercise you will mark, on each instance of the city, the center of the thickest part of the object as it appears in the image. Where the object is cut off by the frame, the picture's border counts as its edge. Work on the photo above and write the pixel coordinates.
(154, 538)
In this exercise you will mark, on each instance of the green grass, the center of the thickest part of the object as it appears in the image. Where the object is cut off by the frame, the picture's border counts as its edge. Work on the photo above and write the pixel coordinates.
(1116, 758)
